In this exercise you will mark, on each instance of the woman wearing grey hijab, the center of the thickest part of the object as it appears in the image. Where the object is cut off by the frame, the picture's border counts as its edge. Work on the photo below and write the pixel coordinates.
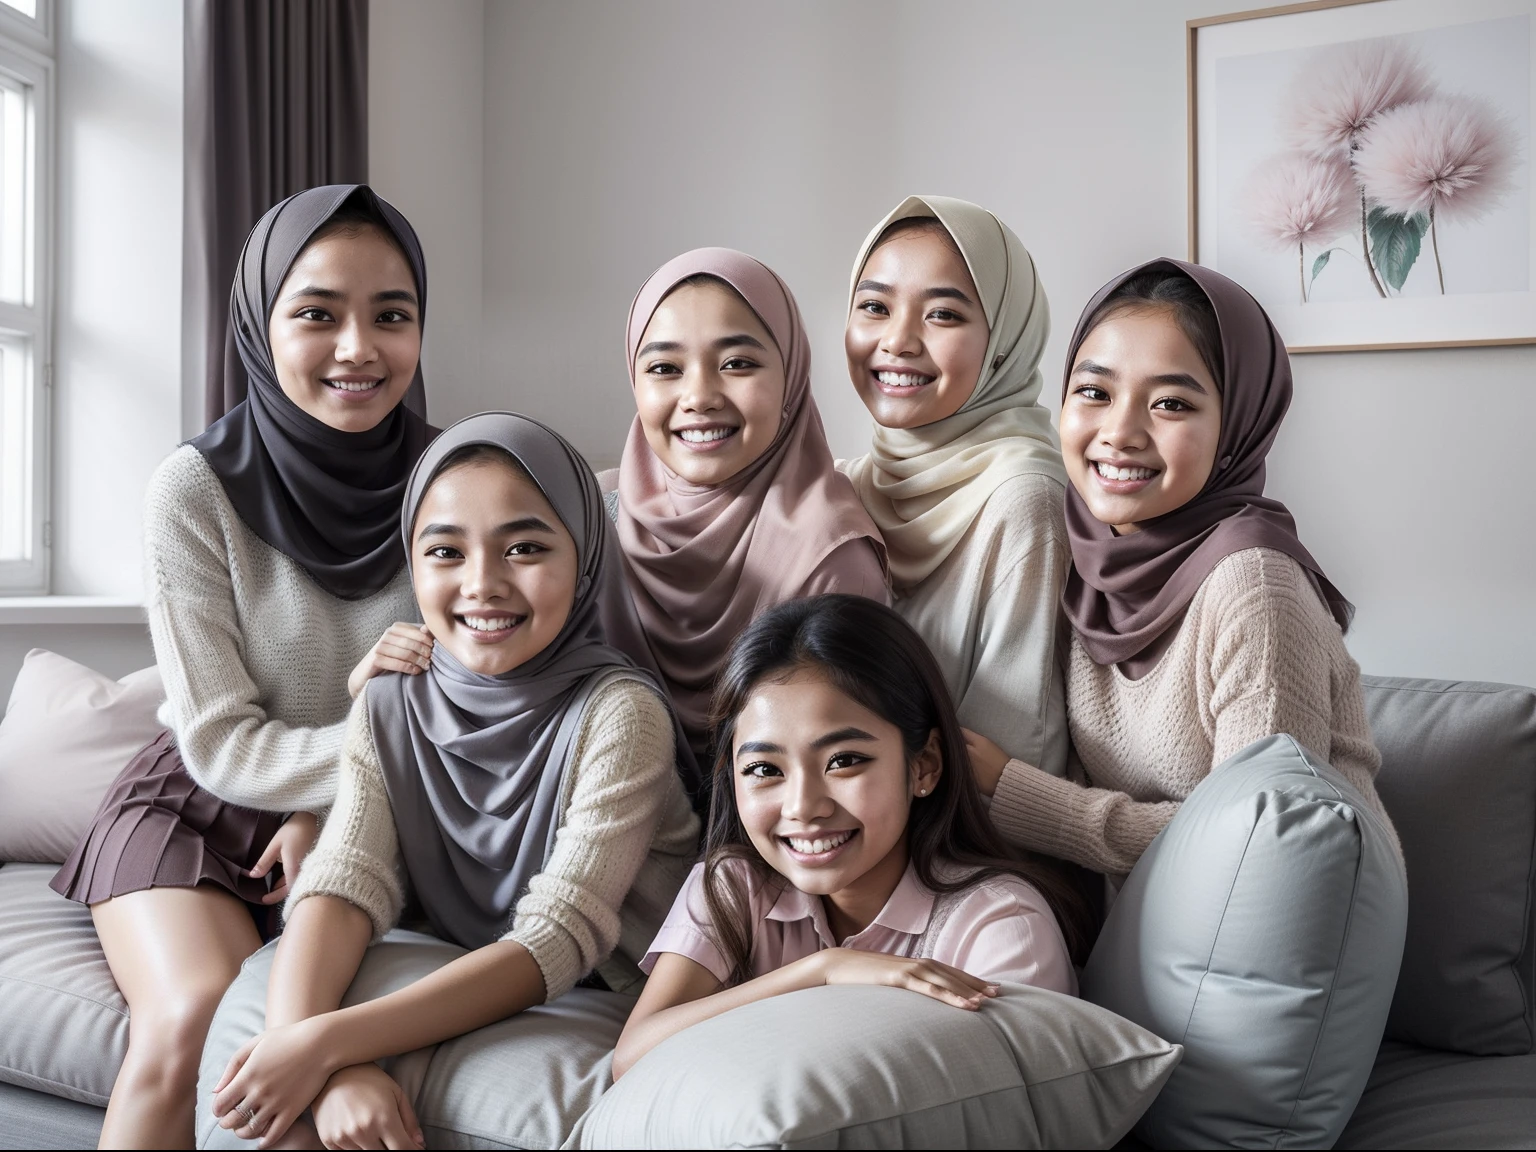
(523, 786)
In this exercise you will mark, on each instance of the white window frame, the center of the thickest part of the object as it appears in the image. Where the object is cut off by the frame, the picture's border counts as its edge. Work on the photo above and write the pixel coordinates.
(24, 43)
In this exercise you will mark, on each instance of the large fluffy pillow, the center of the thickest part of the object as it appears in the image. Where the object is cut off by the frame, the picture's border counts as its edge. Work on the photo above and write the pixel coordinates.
(865, 1067)
(66, 735)
(1262, 930)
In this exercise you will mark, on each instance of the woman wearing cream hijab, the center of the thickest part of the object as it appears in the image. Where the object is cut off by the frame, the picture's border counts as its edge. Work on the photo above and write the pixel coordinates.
(946, 327)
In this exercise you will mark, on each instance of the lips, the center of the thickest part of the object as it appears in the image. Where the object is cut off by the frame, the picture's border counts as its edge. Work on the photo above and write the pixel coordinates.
(491, 629)
(1122, 479)
(355, 390)
(706, 437)
(901, 383)
(822, 848)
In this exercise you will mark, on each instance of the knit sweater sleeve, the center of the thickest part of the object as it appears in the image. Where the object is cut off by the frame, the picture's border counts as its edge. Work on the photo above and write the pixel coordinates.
(357, 857)
(226, 739)
(569, 920)
(1016, 695)
(1098, 828)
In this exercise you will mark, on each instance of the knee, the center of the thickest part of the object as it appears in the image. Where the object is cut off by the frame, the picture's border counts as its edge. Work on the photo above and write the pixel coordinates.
(166, 1036)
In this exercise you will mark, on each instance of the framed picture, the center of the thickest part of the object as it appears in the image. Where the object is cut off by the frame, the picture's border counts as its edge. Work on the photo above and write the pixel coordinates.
(1363, 167)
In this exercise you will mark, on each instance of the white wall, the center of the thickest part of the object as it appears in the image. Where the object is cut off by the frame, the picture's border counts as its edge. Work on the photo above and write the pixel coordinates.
(615, 136)
(117, 340)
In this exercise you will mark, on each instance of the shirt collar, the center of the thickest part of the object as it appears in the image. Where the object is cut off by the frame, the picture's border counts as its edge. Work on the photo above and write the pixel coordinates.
(907, 910)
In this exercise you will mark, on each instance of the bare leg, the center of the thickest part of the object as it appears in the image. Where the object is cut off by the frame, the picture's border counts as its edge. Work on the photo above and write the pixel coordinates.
(173, 952)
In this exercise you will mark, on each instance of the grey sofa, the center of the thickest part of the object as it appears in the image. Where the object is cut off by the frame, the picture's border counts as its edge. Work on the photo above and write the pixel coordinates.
(1457, 1068)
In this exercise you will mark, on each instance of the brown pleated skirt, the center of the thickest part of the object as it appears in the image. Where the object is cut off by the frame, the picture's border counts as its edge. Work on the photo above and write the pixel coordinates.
(158, 828)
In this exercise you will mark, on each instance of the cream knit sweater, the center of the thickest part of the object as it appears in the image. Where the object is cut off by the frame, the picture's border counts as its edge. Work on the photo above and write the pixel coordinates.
(254, 654)
(988, 613)
(626, 840)
(1257, 653)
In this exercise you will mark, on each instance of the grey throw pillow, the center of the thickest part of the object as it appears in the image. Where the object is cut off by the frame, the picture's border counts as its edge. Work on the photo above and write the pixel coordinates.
(871, 1067)
(1262, 930)
(1458, 777)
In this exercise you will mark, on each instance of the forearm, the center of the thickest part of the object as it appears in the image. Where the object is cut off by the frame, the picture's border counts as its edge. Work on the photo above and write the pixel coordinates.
(480, 988)
(316, 960)
(644, 1031)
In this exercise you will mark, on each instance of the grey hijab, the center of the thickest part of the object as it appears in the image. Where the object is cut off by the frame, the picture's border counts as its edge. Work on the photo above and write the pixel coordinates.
(474, 764)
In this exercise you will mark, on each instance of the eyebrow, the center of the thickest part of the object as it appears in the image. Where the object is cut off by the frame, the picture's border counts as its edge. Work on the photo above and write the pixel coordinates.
(332, 294)
(1177, 379)
(941, 293)
(522, 524)
(837, 737)
(719, 345)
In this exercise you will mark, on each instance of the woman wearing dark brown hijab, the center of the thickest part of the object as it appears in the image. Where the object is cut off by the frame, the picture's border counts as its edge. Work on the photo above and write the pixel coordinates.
(273, 566)
(1199, 622)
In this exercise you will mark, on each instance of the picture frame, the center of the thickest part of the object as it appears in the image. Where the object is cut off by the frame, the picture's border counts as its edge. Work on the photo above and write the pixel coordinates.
(1364, 168)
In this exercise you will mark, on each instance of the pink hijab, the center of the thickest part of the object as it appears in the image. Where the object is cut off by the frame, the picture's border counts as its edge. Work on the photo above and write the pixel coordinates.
(703, 561)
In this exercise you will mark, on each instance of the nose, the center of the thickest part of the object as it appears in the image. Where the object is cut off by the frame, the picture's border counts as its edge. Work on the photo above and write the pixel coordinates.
(1123, 427)
(354, 342)
(901, 334)
(483, 576)
(701, 391)
(806, 798)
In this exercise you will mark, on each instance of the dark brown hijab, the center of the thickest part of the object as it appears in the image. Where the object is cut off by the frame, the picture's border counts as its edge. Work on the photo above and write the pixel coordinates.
(327, 499)
(1123, 592)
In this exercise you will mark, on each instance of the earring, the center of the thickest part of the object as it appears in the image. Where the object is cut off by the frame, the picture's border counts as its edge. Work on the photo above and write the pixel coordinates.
(922, 791)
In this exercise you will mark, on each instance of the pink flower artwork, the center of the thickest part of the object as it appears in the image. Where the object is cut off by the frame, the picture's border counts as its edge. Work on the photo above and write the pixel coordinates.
(1343, 88)
(1295, 199)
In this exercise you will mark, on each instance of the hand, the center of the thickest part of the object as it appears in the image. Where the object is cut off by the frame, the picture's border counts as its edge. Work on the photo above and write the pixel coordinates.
(987, 760)
(363, 1107)
(403, 648)
(288, 848)
(943, 983)
(270, 1082)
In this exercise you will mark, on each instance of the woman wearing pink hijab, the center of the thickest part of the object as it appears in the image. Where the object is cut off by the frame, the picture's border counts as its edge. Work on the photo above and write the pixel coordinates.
(728, 502)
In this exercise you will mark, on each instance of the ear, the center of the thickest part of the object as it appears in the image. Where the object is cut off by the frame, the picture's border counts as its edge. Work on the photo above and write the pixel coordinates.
(927, 766)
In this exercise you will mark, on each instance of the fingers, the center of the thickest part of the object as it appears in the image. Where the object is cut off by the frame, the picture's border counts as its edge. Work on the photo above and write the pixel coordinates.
(222, 1101)
(269, 857)
(386, 663)
(950, 985)
(280, 893)
(408, 1118)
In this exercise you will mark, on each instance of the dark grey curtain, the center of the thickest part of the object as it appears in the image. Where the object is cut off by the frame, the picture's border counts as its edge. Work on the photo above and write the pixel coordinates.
(276, 102)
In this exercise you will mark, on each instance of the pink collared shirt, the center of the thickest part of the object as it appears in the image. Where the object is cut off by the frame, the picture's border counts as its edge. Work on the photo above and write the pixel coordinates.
(999, 928)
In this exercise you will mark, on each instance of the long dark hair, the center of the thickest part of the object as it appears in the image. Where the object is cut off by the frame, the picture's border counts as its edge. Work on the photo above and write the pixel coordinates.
(874, 657)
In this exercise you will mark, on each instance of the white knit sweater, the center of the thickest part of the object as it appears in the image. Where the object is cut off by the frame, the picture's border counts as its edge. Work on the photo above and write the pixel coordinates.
(625, 841)
(1257, 653)
(254, 654)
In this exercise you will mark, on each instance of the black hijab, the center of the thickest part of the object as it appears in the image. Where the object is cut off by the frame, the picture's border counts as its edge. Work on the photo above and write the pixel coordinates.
(327, 499)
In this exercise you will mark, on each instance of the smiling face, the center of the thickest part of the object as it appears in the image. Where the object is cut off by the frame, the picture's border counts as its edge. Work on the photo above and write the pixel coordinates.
(345, 330)
(709, 383)
(917, 335)
(823, 788)
(493, 567)
(1141, 420)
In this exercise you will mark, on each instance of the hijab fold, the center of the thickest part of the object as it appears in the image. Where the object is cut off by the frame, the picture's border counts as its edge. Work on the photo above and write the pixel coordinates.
(1124, 592)
(327, 499)
(703, 561)
(475, 765)
(925, 486)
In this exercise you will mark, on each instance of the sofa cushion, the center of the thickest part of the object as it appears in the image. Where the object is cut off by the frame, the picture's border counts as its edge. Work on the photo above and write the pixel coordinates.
(1458, 777)
(63, 1023)
(1262, 929)
(67, 733)
(519, 1083)
(1420, 1098)
(870, 1067)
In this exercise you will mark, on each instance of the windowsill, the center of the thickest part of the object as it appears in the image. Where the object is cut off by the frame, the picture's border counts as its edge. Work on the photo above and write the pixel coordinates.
(69, 610)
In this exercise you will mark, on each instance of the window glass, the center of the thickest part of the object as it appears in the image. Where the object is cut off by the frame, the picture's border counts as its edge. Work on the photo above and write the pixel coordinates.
(16, 501)
(27, 8)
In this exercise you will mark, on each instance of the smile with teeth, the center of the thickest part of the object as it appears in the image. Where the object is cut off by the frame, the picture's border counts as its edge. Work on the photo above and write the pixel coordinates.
(353, 385)
(1111, 472)
(491, 623)
(903, 379)
(815, 847)
(704, 435)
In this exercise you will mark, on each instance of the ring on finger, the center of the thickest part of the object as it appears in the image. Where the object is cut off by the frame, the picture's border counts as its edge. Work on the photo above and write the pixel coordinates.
(248, 1113)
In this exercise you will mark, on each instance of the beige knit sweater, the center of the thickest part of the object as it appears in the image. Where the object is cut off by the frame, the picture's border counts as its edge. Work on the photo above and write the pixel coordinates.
(625, 842)
(1257, 653)
(988, 613)
(254, 654)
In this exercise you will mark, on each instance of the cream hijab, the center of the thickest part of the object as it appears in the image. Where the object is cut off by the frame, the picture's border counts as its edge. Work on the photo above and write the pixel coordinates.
(924, 487)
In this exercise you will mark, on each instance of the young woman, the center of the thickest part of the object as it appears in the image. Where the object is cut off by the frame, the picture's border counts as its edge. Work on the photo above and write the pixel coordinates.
(272, 568)
(847, 841)
(1200, 623)
(728, 502)
(946, 326)
(524, 785)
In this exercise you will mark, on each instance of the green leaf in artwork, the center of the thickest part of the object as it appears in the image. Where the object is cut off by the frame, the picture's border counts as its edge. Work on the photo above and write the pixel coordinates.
(1321, 262)
(1395, 243)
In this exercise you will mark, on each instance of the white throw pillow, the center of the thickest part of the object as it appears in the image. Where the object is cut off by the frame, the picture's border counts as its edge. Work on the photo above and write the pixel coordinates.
(67, 733)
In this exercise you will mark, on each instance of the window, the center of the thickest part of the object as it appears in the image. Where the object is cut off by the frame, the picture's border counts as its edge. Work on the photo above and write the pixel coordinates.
(26, 99)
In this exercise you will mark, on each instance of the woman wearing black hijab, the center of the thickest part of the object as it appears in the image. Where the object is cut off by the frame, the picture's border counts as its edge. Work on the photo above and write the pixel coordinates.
(273, 567)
